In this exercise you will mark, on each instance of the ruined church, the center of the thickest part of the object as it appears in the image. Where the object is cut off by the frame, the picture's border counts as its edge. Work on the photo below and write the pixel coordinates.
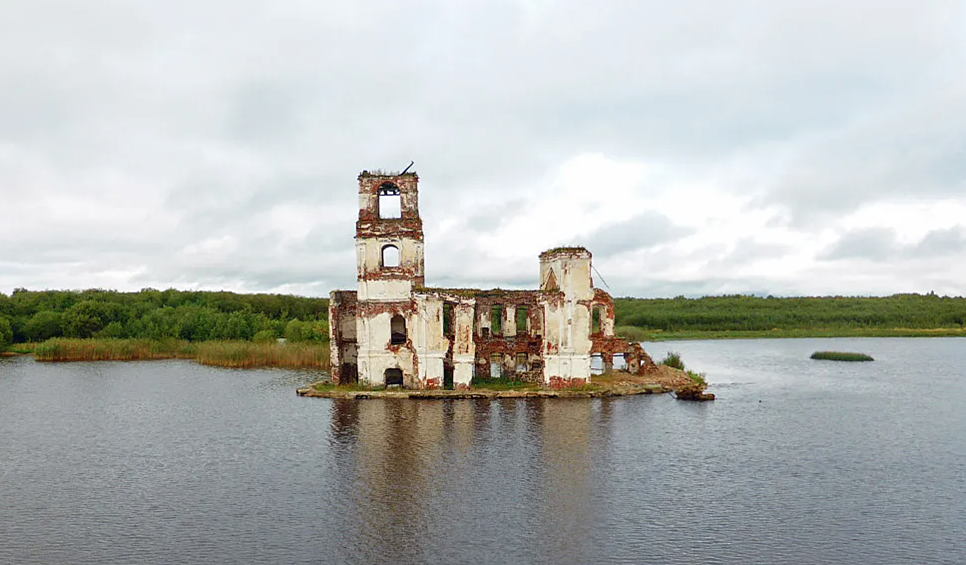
(393, 330)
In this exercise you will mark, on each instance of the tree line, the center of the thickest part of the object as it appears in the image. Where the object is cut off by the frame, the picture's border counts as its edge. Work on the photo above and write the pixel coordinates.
(741, 312)
(34, 316)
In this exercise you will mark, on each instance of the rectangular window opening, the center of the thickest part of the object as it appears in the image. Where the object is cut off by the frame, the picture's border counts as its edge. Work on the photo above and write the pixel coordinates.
(620, 364)
(496, 366)
(521, 320)
(447, 318)
(390, 203)
(595, 320)
(496, 319)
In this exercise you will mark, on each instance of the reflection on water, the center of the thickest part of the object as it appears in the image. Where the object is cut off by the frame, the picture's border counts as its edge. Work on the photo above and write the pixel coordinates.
(413, 461)
(796, 462)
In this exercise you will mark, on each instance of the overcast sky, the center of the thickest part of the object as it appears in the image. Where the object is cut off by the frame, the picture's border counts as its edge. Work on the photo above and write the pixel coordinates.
(770, 147)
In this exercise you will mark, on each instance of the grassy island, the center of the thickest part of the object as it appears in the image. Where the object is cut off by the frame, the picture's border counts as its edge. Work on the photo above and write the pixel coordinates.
(841, 356)
(661, 378)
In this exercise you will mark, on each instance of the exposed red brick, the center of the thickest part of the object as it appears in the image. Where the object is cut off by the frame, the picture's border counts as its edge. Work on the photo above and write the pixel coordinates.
(560, 382)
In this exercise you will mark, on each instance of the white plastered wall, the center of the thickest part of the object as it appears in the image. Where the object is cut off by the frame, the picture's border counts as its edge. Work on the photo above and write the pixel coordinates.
(567, 332)
(370, 269)
(375, 355)
(464, 350)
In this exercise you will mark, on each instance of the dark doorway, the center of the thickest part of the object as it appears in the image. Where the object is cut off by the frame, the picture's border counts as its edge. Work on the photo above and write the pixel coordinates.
(394, 377)
(349, 373)
(448, 378)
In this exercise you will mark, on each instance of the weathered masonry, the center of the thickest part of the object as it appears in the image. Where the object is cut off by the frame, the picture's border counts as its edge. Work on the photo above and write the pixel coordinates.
(394, 331)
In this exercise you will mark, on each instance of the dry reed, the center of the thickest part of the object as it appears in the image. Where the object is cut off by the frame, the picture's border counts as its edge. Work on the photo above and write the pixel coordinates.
(236, 354)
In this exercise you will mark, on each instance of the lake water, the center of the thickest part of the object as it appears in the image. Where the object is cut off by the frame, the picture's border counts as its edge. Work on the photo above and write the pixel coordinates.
(798, 461)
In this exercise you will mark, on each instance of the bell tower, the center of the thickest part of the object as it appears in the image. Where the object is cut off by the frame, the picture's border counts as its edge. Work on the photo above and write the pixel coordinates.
(389, 237)
(389, 262)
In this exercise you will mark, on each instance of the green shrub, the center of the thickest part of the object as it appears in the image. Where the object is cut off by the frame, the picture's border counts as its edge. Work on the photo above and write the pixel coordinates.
(264, 336)
(6, 333)
(699, 378)
(673, 359)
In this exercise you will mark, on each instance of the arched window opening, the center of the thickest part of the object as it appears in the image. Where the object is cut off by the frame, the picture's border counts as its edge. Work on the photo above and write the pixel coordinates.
(521, 362)
(397, 329)
(390, 256)
(595, 320)
(390, 201)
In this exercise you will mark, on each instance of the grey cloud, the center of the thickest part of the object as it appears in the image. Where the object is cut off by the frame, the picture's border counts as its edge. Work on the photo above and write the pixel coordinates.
(230, 108)
(495, 215)
(880, 244)
(744, 251)
(873, 244)
(940, 243)
(748, 249)
(644, 230)
(919, 152)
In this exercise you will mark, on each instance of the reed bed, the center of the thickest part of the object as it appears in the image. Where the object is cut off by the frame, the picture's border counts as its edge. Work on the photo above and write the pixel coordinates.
(64, 349)
(246, 354)
(235, 354)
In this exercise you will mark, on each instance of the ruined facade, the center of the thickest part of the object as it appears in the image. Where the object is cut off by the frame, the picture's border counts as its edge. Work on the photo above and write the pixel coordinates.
(394, 331)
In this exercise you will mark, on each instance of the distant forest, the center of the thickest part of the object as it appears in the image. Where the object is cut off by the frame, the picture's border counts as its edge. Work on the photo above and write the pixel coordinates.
(34, 316)
(750, 313)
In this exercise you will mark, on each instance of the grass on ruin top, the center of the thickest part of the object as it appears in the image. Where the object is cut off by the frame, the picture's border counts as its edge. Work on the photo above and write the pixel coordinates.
(841, 356)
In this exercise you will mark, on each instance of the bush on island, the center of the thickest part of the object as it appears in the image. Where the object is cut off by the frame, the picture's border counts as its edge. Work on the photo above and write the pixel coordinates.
(840, 356)
(673, 359)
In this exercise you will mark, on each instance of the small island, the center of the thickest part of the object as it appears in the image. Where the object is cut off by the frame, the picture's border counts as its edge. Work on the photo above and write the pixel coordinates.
(658, 379)
(840, 356)
(670, 375)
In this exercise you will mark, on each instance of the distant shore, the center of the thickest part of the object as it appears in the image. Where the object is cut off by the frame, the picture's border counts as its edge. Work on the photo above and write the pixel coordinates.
(638, 334)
